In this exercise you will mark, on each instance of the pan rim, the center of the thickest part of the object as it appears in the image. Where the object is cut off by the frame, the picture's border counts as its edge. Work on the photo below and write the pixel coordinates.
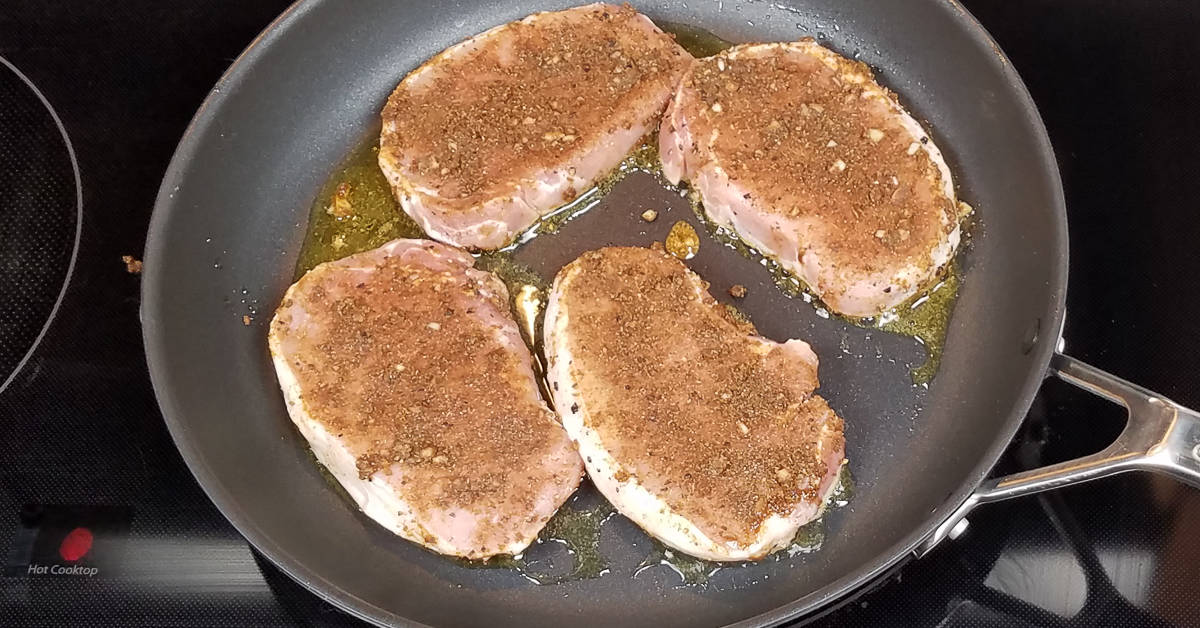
(154, 346)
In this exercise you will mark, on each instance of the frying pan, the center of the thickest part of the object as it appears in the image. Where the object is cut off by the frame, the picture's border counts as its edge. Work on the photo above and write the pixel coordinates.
(231, 215)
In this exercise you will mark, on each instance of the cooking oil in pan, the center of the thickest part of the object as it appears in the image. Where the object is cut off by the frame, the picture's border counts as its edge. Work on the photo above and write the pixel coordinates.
(683, 242)
(579, 531)
(354, 212)
(575, 528)
(844, 491)
(691, 570)
(926, 317)
(697, 41)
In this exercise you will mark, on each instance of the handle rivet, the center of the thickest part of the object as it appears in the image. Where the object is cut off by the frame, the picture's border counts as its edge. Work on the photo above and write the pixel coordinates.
(1196, 452)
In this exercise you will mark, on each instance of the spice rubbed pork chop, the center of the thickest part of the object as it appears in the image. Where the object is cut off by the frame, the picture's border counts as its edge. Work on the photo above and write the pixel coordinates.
(491, 134)
(706, 435)
(809, 160)
(403, 369)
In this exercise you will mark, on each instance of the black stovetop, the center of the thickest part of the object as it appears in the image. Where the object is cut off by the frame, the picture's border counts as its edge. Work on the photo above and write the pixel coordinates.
(87, 467)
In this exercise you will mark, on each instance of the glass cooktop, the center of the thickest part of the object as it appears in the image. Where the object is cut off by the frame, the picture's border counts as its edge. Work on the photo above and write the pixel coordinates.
(102, 524)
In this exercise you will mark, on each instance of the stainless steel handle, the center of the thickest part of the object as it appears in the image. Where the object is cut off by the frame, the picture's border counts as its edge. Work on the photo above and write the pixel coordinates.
(1160, 435)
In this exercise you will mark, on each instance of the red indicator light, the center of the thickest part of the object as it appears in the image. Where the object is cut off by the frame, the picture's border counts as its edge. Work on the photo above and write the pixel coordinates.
(76, 544)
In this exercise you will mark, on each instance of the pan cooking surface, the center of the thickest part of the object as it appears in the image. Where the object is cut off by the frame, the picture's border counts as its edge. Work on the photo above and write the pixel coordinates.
(233, 213)
(860, 358)
(356, 211)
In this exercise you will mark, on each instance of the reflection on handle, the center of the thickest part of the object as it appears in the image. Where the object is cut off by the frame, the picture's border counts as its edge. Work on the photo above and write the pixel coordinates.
(1159, 436)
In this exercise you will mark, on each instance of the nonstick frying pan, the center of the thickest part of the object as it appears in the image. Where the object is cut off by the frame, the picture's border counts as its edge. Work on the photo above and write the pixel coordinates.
(231, 215)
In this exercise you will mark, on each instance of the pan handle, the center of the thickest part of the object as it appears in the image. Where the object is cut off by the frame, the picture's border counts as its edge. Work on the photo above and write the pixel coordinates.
(1160, 435)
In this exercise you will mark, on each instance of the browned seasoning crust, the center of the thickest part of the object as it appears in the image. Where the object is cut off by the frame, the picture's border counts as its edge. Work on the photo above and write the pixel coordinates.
(811, 145)
(722, 426)
(559, 84)
(400, 365)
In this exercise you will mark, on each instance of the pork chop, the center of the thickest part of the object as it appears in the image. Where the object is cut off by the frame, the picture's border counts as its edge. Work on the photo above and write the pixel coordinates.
(491, 134)
(403, 369)
(705, 434)
(809, 160)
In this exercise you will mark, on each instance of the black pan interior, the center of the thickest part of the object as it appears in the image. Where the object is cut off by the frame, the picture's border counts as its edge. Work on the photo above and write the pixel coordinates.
(232, 213)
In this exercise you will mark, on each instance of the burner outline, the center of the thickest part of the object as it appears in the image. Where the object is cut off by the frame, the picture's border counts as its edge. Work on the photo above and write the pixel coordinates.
(62, 292)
